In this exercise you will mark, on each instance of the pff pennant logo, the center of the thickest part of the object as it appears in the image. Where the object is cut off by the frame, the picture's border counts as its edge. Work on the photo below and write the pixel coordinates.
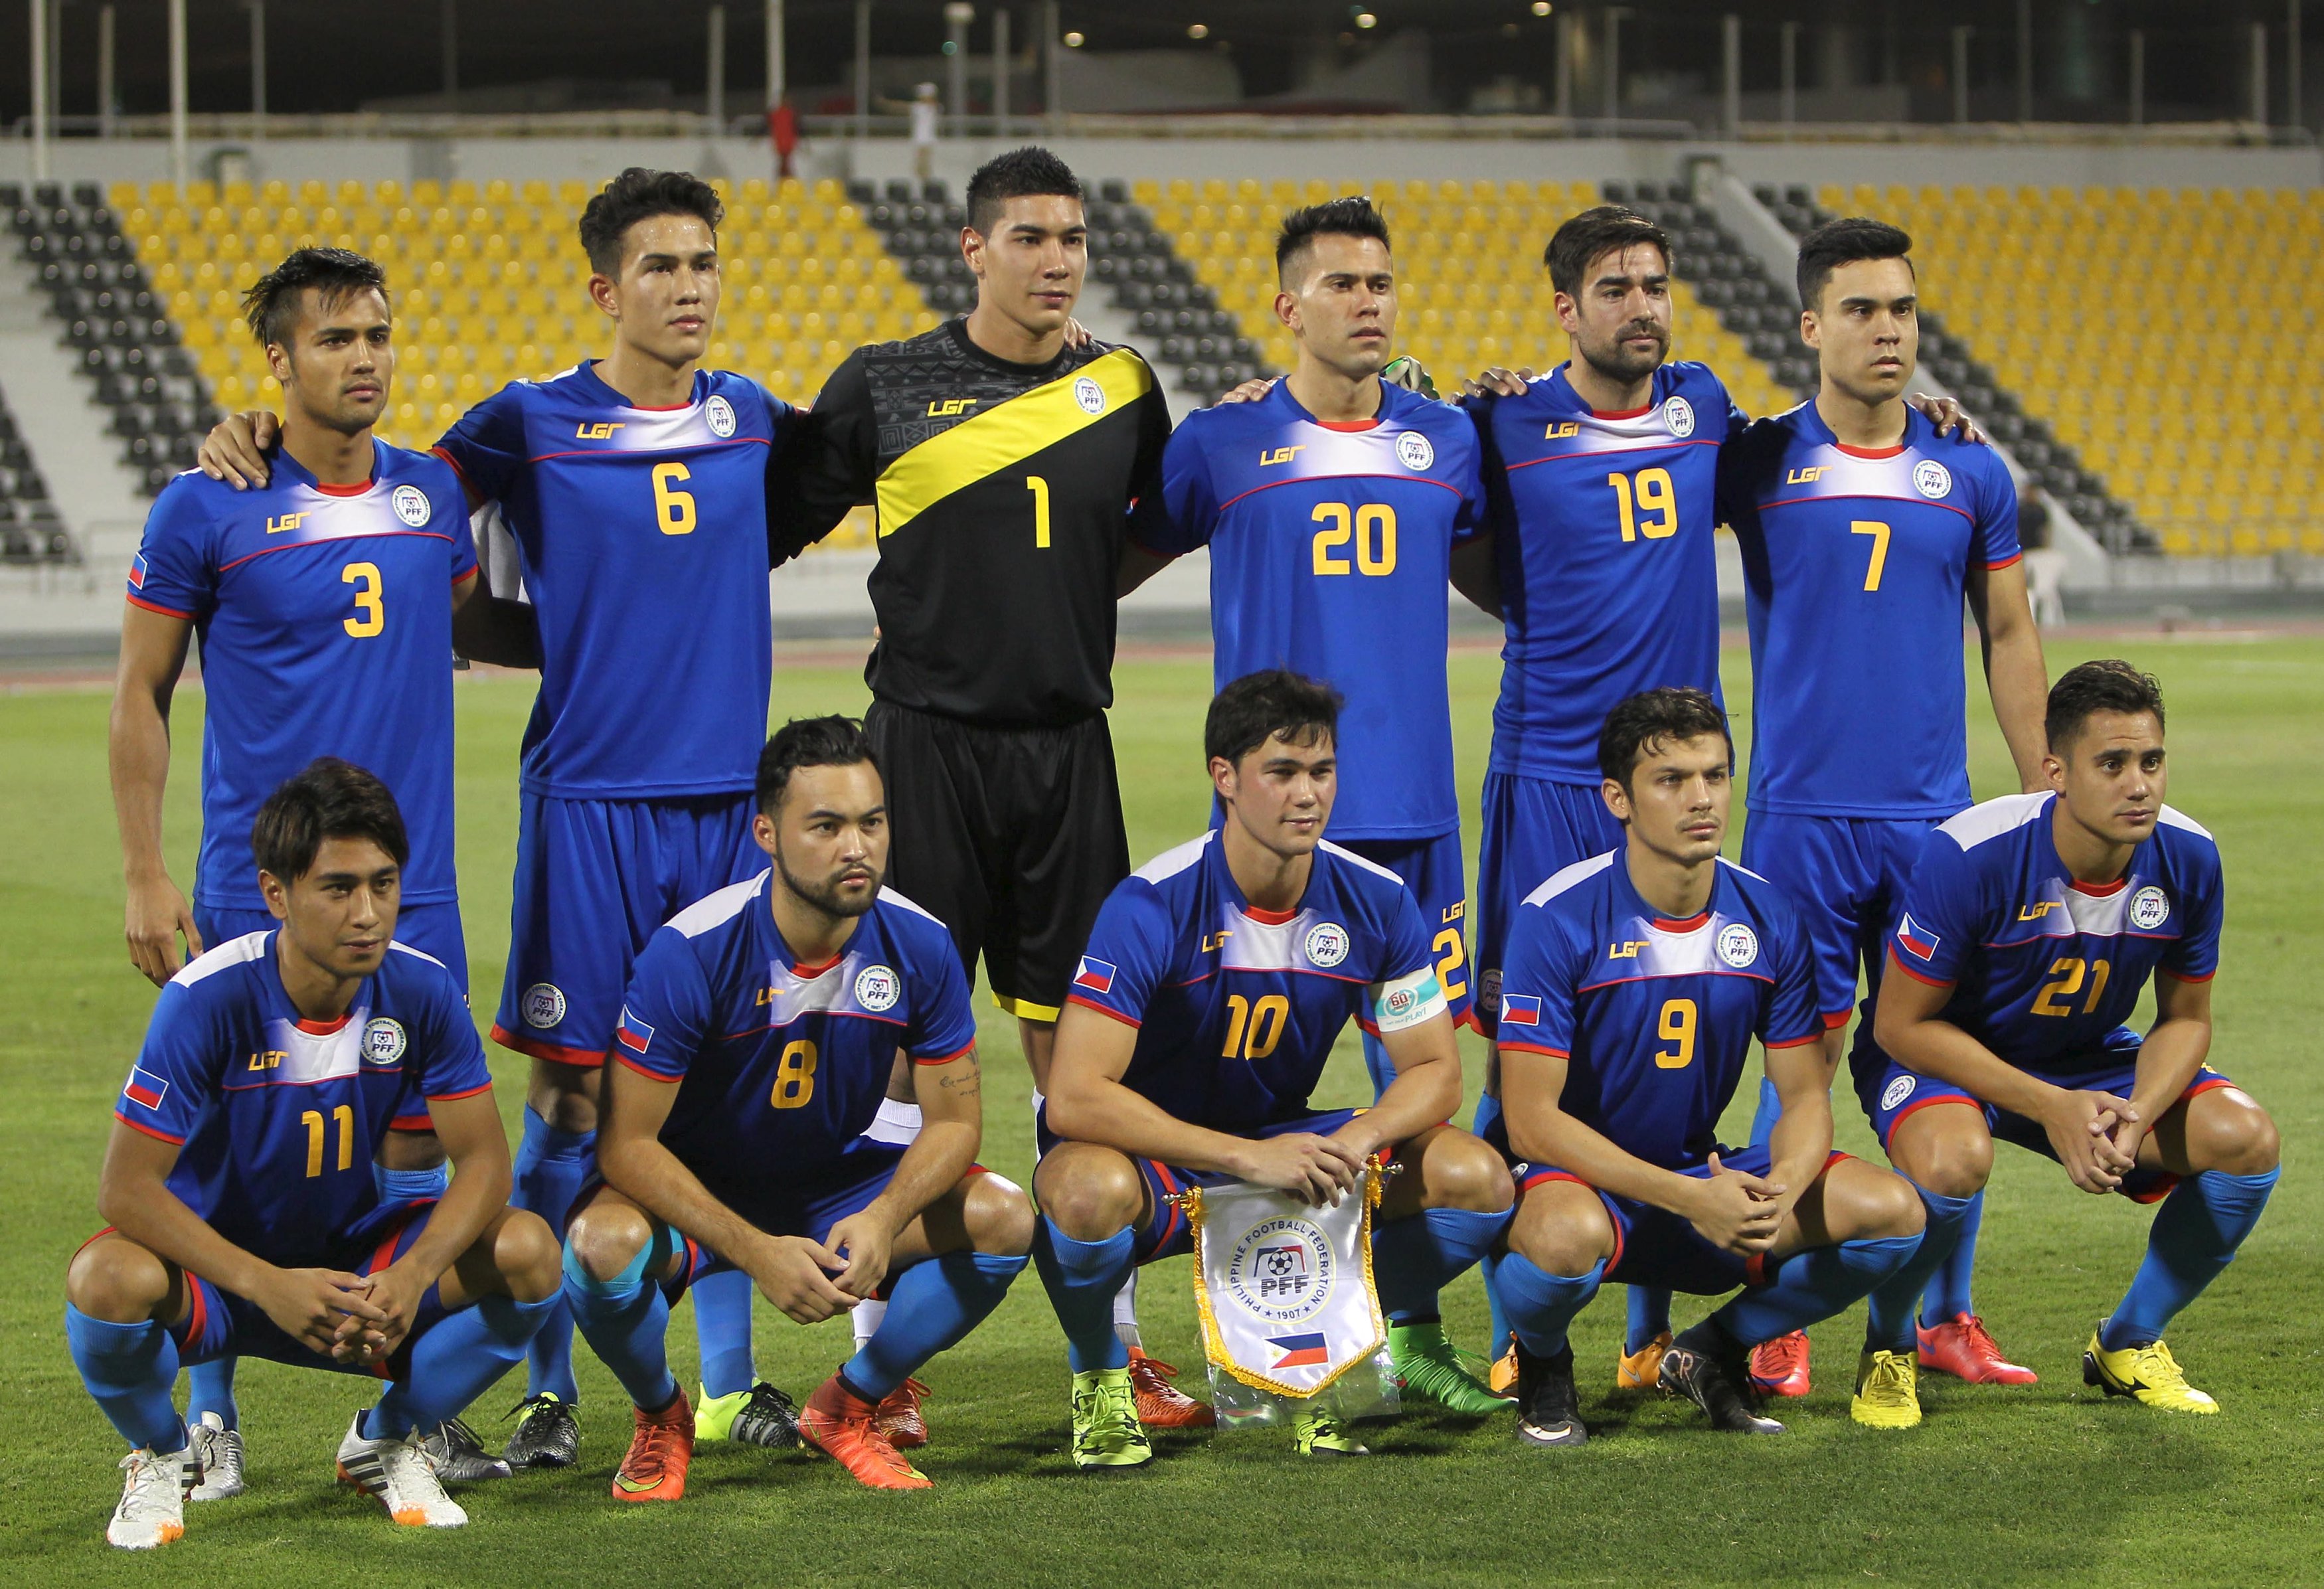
(1283, 1271)
(1415, 452)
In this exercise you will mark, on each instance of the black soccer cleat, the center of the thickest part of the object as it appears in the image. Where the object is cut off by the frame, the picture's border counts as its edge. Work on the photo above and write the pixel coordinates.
(1549, 1409)
(549, 1435)
(766, 1416)
(1712, 1371)
(459, 1456)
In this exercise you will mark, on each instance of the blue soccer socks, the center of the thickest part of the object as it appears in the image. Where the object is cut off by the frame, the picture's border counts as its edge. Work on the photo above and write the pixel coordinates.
(1541, 1304)
(1415, 1258)
(1081, 1278)
(626, 1319)
(1946, 1295)
(454, 1362)
(1889, 1321)
(550, 1166)
(1814, 1284)
(932, 1306)
(721, 1322)
(2195, 1235)
(130, 1369)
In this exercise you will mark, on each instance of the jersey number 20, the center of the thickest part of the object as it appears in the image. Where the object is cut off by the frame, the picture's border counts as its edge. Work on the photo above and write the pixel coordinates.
(1372, 529)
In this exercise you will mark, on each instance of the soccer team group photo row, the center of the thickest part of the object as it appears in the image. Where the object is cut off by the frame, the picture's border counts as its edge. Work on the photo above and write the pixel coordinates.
(741, 966)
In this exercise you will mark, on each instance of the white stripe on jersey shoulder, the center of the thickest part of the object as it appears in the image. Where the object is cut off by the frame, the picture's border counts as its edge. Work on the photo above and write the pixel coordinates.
(716, 908)
(1171, 862)
(1738, 866)
(2173, 817)
(1992, 819)
(234, 952)
(889, 896)
(398, 945)
(1353, 859)
(1579, 872)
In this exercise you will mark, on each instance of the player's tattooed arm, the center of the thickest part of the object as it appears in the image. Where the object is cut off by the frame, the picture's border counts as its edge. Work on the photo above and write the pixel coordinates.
(137, 747)
(235, 449)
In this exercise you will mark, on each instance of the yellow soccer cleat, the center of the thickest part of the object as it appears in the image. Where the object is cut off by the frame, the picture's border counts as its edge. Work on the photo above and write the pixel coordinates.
(1887, 1390)
(2147, 1373)
(1642, 1370)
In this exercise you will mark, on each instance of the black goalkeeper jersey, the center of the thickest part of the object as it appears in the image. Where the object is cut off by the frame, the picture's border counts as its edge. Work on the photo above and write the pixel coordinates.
(1003, 493)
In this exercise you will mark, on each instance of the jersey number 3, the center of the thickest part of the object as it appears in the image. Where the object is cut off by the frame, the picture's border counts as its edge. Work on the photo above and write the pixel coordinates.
(371, 612)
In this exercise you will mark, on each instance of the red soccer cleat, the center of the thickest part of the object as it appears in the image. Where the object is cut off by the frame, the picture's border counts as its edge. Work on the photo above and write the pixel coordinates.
(845, 1427)
(662, 1446)
(1779, 1367)
(1161, 1405)
(1965, 1349)
(900, 1418)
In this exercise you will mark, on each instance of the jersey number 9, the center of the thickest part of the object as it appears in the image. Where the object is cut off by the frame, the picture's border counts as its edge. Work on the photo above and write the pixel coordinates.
(794, 1076)
(673, 509)
(1372, 529)
(1648, 503)
(1675, 1028)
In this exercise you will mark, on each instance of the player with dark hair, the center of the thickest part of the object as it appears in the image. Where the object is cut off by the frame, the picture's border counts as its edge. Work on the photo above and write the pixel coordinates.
(1168, 1072)
(1002, 458)
(755, 1049)
(243, 1217)
(2033, 924)
(1335, 508)
(1634, 984)
(635, 489)
(328, 606)
(1862, 531)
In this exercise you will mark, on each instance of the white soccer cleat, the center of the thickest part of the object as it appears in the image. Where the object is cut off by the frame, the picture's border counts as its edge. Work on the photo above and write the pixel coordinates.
(153, 1510)
(218, 1460)
(398, 1474)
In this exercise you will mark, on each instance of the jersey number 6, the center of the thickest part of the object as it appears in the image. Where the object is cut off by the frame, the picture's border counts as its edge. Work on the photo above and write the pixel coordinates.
(673, 509)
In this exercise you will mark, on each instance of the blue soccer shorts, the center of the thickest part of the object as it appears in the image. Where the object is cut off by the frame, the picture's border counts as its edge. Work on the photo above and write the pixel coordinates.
(1534, 828)
(594, 878)
(1431, 868)
(1846, 877)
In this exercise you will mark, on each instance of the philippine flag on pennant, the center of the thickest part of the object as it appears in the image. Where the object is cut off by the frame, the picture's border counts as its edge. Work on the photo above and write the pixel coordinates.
(1918, 938)
(146, 1087)
(1521, 1010)
(1097, 975)
(1299, 1350)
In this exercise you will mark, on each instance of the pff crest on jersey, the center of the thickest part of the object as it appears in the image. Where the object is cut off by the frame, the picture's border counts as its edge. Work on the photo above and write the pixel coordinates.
(2150, 908)
(878, 987)
(1678, 414)
(1739, 945)
(1932, 479)
(1327, 944)
(1415, 452)
(383, 1042)
(410, 504)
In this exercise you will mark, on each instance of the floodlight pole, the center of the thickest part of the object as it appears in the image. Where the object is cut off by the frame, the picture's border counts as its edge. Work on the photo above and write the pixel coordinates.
(39, 90)
(958, 14)
(1001, 71)
(1731, 75)
(863, 70)
(2024, 61)
(2137, 76)
(714, 91)
(258, 71)
(1790, 78)
(1960, 74)
(2259, 74)
(104, 89)
(180, 172)
(1614, 63)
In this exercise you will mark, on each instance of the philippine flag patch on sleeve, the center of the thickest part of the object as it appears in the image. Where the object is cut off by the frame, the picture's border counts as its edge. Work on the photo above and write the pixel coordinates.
(1096, 976)
(1521, 1009)
(146, 1087)
(1918, 938)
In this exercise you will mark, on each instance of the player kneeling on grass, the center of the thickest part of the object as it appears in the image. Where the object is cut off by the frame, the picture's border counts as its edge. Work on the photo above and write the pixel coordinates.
(2031, 927)
(1215, 983)
(755, 1046)
(1633, 986)
(245, 1219)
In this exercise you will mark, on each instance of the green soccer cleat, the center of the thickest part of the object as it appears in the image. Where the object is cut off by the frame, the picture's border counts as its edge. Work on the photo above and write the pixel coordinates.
(1318, 1432)
(1887, 1390)
(1428, 1364)
(760, 1416)
(1106, 1431)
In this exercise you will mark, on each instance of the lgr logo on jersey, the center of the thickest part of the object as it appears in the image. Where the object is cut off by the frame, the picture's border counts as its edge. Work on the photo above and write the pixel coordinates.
(1327, 944)
(543, 1005)
(382, 1042)
(878, 987)
(1678, 414)
(1932, 479)
(1090, 395)
(1413, 452)
(410, 505)
(1739, 945)
(2150, 908)
(720, 413)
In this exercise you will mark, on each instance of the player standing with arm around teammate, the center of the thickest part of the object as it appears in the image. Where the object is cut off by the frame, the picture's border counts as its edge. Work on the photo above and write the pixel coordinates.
(1861, 531)
(330, 605)
(1633, 985)
(244, 1216)
(1215, 983)
(2031, 926)
(1335, 508)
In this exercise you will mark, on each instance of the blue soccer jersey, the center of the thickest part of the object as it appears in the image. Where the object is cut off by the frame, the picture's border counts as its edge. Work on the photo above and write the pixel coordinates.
(1853, 563)
(1603, 528)
(325, 615)
(642, 537)
(781, 1066)
(2046, 971)
(1655, 1018)
(1331, 553)
(280, 1117)
(1236, 1008)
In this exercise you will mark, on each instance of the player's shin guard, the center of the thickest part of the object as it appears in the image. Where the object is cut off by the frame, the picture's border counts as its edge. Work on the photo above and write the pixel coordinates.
(721, 1322)
(2195, 1236)
(1081, 1278)
(1415, 1258)
(130, 1369)
(933, 1305)
(1812, 1285)
(1649, 1316)
(1889, 1322)
(455, 1363)
(1946, 1296)
(626, 1320)
(550, 1166)
(209, 1387)
(1541, 1304)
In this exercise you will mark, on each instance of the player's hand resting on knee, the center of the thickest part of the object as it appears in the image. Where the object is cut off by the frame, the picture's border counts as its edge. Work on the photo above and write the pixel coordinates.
(310, 1305)
(864, 1238)
(235, 449)
(795, 1275)
(1315, 1168)
(2081, 1126)
(1738, 1211)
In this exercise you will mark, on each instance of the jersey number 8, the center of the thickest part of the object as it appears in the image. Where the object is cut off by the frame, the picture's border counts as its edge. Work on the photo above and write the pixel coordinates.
(794, 1076)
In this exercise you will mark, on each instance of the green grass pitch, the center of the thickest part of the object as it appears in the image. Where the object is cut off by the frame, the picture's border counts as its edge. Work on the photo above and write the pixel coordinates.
(2048, 1483)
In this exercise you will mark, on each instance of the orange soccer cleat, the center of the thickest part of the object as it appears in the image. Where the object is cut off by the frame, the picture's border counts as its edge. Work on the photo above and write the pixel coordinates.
(1638, 1370)
(1964, 1348)
(899, 1417)
(660, 1448)
(1161, 1405)
(1779, 1367)
(845, 1427)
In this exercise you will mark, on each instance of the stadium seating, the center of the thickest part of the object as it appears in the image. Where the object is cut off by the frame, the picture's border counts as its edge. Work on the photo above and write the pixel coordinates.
(2165, 338)
(1470, 285)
